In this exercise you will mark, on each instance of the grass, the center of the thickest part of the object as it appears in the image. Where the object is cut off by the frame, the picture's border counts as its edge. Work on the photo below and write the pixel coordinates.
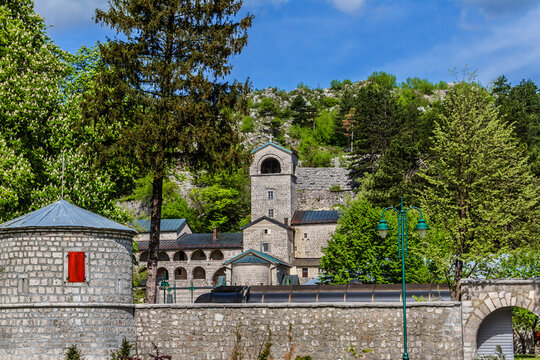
(525, 357)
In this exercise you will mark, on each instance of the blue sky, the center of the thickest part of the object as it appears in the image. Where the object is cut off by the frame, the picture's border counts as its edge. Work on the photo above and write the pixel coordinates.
(316, 41)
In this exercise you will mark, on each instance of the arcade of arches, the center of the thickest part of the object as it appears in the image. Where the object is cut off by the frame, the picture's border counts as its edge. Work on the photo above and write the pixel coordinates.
(200, 266)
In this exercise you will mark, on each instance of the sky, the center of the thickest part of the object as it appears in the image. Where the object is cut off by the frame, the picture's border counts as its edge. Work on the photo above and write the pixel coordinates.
(316, 41)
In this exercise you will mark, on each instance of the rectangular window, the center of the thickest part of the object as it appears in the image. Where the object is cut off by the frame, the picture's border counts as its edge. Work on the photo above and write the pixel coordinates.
(305, 235)
(265, 247)
(76, 266)
(305, 272)
(270, 194)
(268, 231)
(270, 213)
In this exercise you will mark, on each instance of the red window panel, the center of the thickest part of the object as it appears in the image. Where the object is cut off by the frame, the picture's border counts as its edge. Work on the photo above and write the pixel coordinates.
(76, 266)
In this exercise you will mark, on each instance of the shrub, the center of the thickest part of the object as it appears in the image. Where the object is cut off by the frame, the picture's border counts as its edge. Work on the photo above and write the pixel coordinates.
(123, 352)
(247, 124)
(73, 353)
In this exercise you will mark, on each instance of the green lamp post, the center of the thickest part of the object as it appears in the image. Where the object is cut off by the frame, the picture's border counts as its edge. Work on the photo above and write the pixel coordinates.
(422, 228)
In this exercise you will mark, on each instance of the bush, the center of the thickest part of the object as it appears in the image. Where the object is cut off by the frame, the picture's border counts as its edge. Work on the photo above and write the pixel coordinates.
(247, 124)
(330, 102)
(73, 353)
(123, 352)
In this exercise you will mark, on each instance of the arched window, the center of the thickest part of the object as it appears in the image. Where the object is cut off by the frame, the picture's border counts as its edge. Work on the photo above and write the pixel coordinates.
(162, 256)
(198, 255)
(180, 273)
(180, 256)
(270, 166)
(199, 273)
(217, 274)
(162, 273)
(143, 257)
(216, 255)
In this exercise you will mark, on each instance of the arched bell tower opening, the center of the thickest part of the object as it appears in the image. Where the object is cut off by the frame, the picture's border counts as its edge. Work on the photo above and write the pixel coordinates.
(270, 166)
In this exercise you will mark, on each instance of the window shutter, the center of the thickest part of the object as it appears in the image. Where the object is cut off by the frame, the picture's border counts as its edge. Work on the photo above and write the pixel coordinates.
(76, 266)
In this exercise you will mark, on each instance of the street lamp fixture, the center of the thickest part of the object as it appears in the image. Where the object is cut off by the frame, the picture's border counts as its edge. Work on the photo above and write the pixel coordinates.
(422, 229)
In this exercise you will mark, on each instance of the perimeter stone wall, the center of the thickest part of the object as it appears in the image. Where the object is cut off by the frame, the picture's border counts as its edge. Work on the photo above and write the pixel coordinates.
(44, 332)
(324, 331)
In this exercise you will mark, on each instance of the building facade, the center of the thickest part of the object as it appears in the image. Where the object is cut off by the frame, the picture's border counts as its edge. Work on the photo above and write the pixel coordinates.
(292, 219)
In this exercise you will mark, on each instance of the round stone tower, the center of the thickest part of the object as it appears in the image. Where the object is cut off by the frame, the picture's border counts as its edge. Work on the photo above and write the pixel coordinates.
(65, 278)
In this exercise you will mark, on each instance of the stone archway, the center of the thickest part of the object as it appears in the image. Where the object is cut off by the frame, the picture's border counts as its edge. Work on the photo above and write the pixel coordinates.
(481, 297)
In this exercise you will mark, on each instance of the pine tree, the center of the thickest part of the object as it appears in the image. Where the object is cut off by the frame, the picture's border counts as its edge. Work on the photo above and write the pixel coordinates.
(478, 187)
(161, 101)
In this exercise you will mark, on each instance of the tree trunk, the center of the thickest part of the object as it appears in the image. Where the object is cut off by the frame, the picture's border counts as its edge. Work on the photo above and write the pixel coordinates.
(153, 245)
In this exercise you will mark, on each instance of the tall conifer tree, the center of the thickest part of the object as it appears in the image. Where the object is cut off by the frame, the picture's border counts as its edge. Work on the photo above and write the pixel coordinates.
(161, 99)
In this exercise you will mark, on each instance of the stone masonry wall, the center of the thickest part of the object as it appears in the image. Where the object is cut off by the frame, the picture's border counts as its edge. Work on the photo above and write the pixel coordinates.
(310, 239)
(44, 332)
(314, 184)
(34, 266)
(279, 238)
(324, 331)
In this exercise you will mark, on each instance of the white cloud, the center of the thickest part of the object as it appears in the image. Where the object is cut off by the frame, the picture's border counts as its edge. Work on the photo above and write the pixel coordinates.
(349, 6)
(512, 49)
(69, 13)
(494, 8)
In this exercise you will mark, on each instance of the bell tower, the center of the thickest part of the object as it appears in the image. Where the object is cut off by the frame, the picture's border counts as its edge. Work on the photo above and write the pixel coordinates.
(273, 182)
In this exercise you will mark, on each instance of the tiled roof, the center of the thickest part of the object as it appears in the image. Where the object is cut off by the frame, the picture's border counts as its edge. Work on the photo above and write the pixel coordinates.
(165, 225)
(272, 220)
(248, 254)
(292, 151)
(62, 214)
(306, 262)
(315, 217)
(199, 241)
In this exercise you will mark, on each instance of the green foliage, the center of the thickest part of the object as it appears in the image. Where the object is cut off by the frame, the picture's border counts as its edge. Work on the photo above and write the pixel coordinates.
(383, 80)
(478, 187)
(40, 93)
(374, 125)
(247, 124)
(302, 112)
(330, 102)
(73, 353)
(267, 107)
(221, 200)
(266, 352)
(519, 106)
(160, 100)
(123, 352)
(357, 252)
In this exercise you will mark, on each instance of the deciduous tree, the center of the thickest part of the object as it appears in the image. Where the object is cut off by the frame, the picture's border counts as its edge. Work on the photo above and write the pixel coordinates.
(478, 186)
(356, 251)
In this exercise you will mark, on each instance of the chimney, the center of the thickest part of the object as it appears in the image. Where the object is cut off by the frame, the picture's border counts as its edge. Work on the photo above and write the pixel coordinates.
(214, 237)
(286, 221)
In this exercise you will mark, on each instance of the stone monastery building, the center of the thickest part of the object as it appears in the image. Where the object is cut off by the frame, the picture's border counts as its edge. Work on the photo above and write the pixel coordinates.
(292, 219)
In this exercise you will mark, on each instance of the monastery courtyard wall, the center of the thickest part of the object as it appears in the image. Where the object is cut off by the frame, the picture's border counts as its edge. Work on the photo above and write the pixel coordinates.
(324, 331)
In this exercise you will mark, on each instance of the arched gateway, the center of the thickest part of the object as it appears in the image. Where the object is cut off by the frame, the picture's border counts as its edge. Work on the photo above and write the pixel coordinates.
(486, 312)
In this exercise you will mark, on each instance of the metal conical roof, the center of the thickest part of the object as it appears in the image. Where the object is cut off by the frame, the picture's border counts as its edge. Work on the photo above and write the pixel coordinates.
(62, 214)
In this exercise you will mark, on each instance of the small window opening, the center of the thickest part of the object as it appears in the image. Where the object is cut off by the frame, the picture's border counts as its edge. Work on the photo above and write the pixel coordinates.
(76, 266)
(270, 213)
(305, 235)
(305, 272)
(268, 231)
(270, 194)
(265, 247)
